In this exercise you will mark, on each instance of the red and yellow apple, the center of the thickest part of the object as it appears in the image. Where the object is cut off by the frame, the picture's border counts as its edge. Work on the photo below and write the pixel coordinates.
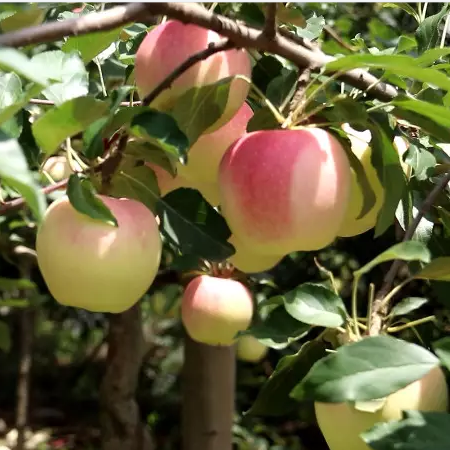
(214, 310)
(246, 260)
(341, 423)
(249, 349)
(170, 44)
(90, 264)
(285, 190)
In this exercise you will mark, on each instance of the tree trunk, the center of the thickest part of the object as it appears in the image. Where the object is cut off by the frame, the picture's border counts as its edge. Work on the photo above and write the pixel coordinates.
(208, 396)
(121, 422)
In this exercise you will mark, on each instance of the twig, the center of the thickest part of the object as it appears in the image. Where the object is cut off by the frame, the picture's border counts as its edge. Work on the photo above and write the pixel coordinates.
(242, 36)
(298, 100)
(111, 164)
(90, 23)
(335, 36)
(270, 25)
(379, 307)
(17, 203)
(213, 48)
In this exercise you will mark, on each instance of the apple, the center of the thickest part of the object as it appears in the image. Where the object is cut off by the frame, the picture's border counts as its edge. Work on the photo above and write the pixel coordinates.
(58, 167)
(285, 190)
(246, 260)
(205, 155)
(249, 349)
(170, 44)
(214, 310)
(341, 423)
(93, 265)
(360, 140)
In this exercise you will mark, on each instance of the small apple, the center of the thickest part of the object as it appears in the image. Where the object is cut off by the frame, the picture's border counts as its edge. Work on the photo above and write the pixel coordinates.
(90, 264)
(58, 167)
(249, 349)
(214, 310)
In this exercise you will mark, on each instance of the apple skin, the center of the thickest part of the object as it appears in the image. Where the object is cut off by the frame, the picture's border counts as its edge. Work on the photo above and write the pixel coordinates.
(205, 155)
(285, 190)
(170, 44)
(249, 349)
(214, 310)
(92, 265)
(246, 260)
(341, 423)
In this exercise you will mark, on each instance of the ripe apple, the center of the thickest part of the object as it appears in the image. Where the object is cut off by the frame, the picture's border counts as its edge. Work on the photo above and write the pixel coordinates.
(89, 264)
(214, 310)
(341, 423)
(285, 190)
(249, 349)
(246, 260)
(58, 167)
(205, 155)
(170, 44)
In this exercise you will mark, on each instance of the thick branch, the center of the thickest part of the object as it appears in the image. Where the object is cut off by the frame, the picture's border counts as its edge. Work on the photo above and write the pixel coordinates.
(241, 35)
(213, 48)
(270, 25)
(380, 308)
(90, 23)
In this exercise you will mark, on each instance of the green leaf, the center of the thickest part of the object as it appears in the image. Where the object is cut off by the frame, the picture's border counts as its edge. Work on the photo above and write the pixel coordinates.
(90, 45)
(407, 305)
(365, 370)
(5, 337)
(83, 198)
(313, 29)
(418, 430)
(14, 172)
(262, 119)
(92, 139)
(273, 398)
(406, 7)
(122, 117)
(438, 269)
(421, 160)
(406, 251)
(72, 117)
(316, 305)
(12, 60)
(10, 89)
(278, 329)
(400, 65)
(68, 70)
(427, 34)
(194, 226)
(386, 160)
(437, 113)
(136, 181)
(405, 43)
(200, 107)
(442, 349)
(22, 19)
(7, 284)
(161, 130)
(280, 87)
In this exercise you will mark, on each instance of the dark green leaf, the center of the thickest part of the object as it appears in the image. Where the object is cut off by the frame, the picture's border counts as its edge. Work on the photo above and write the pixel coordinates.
(406, 251)
(316, 305)
(161, 130)
(438, 269)
(365, 370)
(419, 430)
(421, 160)
(427, 34)
(72, 117)
(262, 119)
(437, 113)
(14, 171)
(83, 198)
(280, 87)
(93, 146)
(194, 226)
(122, 117)
(273, 398)
(405, 6)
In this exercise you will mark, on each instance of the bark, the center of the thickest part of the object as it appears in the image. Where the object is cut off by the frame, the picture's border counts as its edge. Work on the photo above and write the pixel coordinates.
(208, 396)
(121, 422)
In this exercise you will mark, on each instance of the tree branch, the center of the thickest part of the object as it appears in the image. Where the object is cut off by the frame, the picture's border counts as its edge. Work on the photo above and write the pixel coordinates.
(213, 48)
(90, 23)
(270, 25)
(379, 307)
(240, 35)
